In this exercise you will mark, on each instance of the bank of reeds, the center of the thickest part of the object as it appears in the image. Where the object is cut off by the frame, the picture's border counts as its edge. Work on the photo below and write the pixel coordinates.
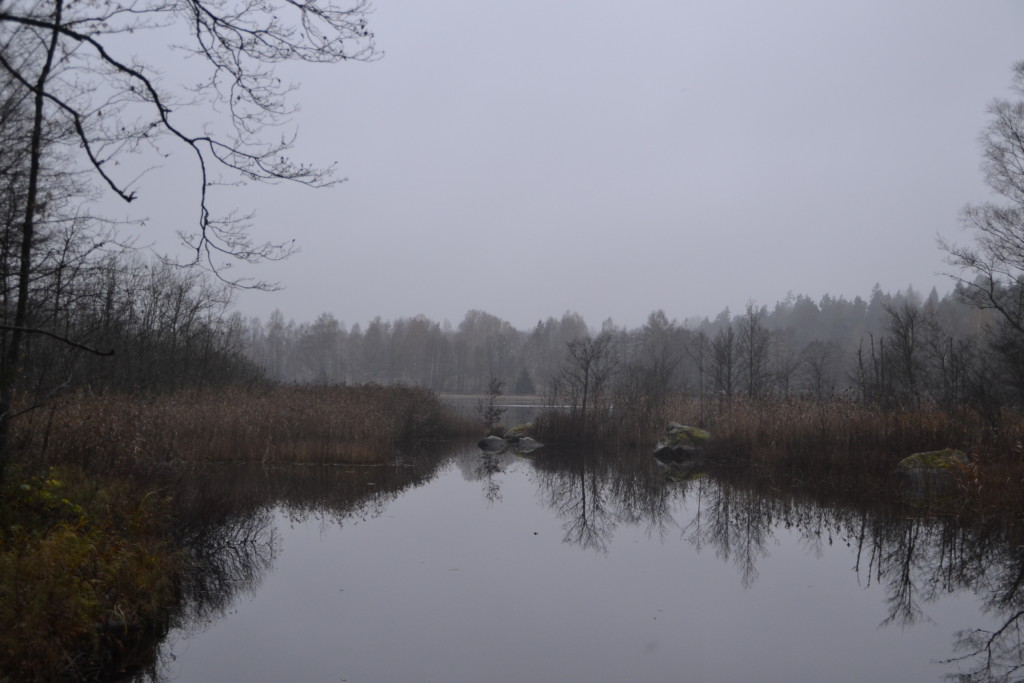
(116, 432)
(835, 444)
(97, 504)
(843, 444)
(838, 432)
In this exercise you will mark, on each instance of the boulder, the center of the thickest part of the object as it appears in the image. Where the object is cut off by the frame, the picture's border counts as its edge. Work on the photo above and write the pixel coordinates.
(492, 444)
(682, 443)
(684, 472)
(932, 472)
(519, 431)
(525, 444)
(519, 445)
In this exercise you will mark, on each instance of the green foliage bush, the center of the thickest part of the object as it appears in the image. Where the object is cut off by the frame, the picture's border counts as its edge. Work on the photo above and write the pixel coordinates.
(85, 568)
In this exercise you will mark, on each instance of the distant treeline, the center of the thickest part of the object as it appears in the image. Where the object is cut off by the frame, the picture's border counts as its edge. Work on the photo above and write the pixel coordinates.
(898, 347)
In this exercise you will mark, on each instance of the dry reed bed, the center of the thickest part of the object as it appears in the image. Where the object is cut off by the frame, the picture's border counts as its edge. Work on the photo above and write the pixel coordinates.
(295, 424)
(836, 445)
(843, 428)
(848, 445)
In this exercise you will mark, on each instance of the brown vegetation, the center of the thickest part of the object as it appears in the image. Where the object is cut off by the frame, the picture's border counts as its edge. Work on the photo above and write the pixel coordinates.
(118, 432)
(839, 445)
(87, 569)
(94, 555)
(833, 445)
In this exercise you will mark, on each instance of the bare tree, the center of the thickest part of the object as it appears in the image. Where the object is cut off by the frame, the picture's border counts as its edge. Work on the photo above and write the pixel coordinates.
(908, 326)
(723, 363)
(74, 66)
(753, 344)
(820, 361)
(699, 350)
(786, 360)
(487, 407)
(588, 367)
(990, 274)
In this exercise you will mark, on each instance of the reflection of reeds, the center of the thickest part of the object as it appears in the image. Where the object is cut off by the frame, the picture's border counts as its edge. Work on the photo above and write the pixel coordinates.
(846, 444)
(99, 566)
(294, 424)
(837, 444)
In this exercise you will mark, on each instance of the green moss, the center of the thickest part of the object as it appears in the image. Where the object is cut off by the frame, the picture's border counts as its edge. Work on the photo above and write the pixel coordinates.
(945, 459)
(677, 435)
(520, 430)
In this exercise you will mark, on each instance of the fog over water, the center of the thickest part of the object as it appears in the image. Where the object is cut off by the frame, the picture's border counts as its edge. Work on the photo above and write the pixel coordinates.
(615, 159)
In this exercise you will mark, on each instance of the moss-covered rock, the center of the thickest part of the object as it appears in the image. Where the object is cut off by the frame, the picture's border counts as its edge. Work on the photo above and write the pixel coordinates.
(525, 445)
(492, 444)
(932, 472)
(681, 443)
(520, 445)
(684, 472)
(519, 431)
(683, 435)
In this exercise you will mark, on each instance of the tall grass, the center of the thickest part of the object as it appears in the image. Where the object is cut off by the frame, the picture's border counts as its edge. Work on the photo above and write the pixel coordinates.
(117, 432)
(834, 445)
(814, 429)
(93, 559)
(848, 445)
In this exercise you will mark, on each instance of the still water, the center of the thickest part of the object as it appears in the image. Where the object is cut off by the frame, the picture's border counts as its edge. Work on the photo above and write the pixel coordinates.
(579, 567)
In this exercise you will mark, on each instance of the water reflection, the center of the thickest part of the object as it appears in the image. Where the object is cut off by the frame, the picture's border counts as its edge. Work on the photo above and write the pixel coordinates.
(736, 522)
(740, 515)
(228, 512)
(917, 559)
(592, 493)
(228, 560)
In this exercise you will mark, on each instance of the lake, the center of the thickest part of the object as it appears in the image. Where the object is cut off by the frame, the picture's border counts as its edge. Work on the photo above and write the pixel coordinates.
(577, 566)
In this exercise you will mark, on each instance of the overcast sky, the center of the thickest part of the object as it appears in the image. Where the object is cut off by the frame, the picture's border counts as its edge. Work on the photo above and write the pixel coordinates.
(615, 158)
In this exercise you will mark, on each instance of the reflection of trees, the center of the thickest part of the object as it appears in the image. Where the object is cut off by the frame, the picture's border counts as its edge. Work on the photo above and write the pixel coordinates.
(226, 561)
(991, 655)
(226, 514)
(916, 559)
(997, 654)
(489, 466)
(584, 504)
(593, 493)
(476, 465)
(737, 523)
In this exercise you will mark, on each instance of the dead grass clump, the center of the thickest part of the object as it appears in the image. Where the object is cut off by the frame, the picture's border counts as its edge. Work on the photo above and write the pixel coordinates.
(356, 424)
(847, 444)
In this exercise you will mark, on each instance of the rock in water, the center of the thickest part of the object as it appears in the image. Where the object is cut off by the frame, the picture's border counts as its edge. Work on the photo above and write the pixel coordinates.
(681, 442)
(526, 444)
(492, 444)
(932, 472)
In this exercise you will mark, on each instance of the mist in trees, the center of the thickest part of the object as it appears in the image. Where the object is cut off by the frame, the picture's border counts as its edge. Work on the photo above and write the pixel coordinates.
(897, 349)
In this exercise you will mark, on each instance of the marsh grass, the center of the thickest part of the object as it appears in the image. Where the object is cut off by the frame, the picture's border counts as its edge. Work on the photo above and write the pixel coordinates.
(834, 446)
(342, 424)
(848, 446)
(96, 516)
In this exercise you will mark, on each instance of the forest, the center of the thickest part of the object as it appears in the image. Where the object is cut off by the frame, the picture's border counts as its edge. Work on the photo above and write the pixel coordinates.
(124, 373)
(898, 349)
